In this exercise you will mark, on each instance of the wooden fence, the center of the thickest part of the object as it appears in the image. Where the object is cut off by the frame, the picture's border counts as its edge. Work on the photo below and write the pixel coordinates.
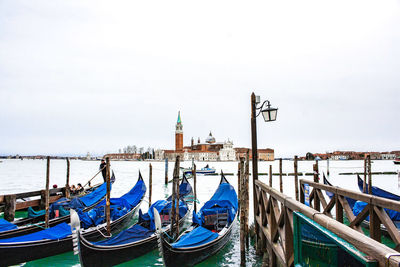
(374, 208)
(274, 218)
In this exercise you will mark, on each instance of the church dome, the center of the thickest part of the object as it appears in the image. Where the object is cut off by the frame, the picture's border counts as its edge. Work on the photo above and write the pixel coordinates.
(210, 139)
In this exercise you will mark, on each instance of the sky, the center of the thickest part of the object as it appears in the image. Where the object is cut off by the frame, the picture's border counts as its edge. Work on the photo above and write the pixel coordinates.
(96, 76)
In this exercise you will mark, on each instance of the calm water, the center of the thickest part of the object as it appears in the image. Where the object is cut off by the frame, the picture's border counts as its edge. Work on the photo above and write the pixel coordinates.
(28, 175)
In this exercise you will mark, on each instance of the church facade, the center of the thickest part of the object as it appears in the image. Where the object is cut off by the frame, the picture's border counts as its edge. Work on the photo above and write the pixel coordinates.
(209, 150)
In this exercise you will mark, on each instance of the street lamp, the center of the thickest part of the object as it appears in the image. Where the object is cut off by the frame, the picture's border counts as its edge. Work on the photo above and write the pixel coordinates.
(269, 114)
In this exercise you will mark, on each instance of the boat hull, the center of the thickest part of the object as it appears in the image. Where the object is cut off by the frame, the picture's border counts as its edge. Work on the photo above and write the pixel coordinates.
(37, 224)
(24, 230)
(94, 255)
(194, 255)
(11, 254)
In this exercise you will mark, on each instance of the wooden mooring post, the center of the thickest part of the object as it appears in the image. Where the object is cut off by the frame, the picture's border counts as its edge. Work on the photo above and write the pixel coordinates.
(166, 171)
(175, 200)
(9, 207)
(365, 176)
(296, 179)
(108, 196)
(195, 187)
(270, 175)
(369, 175)
(67, 190)
(47, 195)
(150, 182)
(242, 215)
(316, 180)
(244, 209)
(280, 176)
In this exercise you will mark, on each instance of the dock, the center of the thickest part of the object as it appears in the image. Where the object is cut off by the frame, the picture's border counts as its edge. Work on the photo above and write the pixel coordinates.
(338, 236)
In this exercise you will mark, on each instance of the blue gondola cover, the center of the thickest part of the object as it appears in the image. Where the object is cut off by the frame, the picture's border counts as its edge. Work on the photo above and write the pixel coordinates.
(79, 202)
(132, 234)
(164, 205)
(59, 231)
(223, 200)
(198, 236)
(359, 206)
(6, 225)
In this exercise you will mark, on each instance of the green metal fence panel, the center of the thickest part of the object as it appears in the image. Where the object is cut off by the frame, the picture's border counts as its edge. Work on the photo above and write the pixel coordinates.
(316, 246)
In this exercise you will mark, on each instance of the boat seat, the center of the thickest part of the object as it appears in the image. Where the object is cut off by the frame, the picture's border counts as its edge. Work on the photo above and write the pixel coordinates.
(216, 221)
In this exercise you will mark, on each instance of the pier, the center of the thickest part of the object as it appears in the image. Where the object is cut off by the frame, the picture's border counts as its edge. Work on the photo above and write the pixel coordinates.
(279, 238)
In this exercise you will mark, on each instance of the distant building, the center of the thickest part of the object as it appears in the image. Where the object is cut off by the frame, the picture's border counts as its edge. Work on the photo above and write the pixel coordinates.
(123, 156)
(266, 154)
(209, 150)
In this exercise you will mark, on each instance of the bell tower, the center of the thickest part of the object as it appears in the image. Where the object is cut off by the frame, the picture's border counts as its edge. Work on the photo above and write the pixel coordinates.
(179, 134)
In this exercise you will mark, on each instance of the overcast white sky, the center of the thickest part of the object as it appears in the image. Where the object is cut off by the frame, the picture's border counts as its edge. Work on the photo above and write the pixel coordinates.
(79, 76)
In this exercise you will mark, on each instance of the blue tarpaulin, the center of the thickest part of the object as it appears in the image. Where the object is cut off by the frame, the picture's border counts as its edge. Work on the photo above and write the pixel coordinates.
(119, 206)
(96, 216)
(198, 236)
(95, 196)
(135, 195)
(184, 188)
(163, 207)
(33, 214)
(138, 232)
(6, 225)
(59, 231)
(79, 202)
(376, 191)
(223, 200)
(359, 206)
(132, 234)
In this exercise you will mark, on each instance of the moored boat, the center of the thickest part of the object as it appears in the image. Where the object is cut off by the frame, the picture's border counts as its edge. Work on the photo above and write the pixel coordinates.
(396, 161)
(58, 239)
(35, 223)
(210, 231)
(376, 191)
(205, 170)
(135, 241)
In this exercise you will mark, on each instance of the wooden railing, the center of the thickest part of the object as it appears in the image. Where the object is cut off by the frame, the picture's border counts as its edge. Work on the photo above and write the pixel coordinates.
(375, 209)
(274, 217)
(11, 199)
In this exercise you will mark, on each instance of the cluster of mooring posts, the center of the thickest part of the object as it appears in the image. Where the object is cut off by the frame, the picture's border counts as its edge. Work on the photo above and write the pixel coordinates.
(279, 218)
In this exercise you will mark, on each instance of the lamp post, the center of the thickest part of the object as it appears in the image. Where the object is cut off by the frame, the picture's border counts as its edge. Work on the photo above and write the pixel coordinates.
(269, 114)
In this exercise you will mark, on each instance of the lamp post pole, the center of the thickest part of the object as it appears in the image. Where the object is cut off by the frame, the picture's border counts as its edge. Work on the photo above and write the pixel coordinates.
(254, 158)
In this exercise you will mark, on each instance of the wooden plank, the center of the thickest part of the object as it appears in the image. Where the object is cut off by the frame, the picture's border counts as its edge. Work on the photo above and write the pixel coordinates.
(329, 207)
(34, 203)
(374, 225)
(361, 216)
(289, 250)
(388, 223)
(321, 198)
(349, 213)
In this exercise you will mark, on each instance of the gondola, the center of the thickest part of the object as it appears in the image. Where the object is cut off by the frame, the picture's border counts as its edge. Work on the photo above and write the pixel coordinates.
(30, 225)
(210, 231)
(58, 239)
(376, 191)
(135, 241)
